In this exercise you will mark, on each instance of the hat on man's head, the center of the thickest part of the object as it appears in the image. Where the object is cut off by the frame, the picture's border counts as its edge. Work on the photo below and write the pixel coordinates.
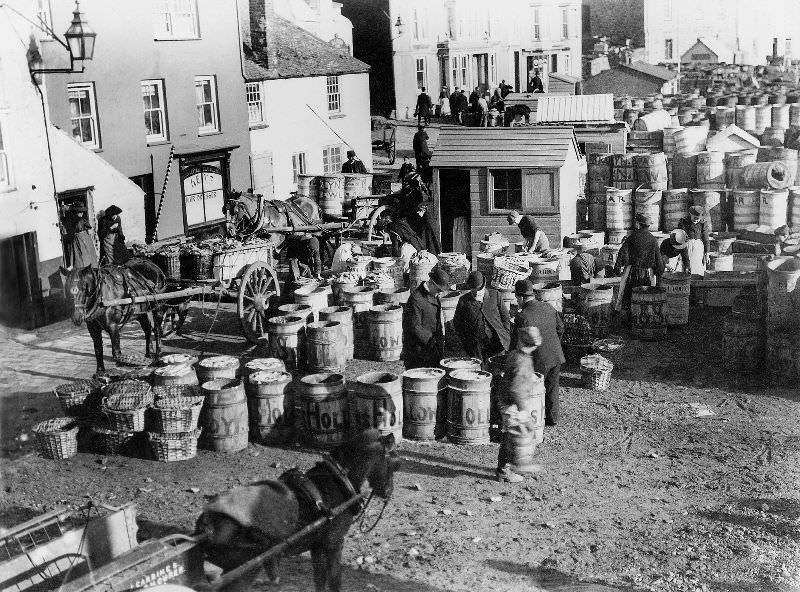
(113, 210)
(697, 211)
(440, 277)
(678, 238)
(524, 288)
(351, 153)
(476, 281)
(643, 219)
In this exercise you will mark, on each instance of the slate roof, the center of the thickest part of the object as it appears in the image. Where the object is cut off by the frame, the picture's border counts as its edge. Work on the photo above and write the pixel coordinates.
(650, 70)
(300, 54)
(498, 147)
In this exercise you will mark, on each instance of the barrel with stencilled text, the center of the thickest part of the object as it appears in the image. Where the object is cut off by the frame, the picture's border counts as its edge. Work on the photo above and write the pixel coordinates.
(424, 399)
(324, 409)
(287, 339)
(224, 415)
(377, 403)
(468, 406)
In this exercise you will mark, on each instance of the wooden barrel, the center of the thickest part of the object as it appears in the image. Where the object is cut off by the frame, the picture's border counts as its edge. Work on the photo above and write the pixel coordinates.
(324, 351)
(783, 357)
(397, 296)
(780, 116)
(619, 209)
(385, 332)
(308, 186)
(783, 294)
(344, 316)
(286, 335)
(608, 255)
(669, 141)
(331, 194)
(787, 156)
(377, 403)
(266, 393)
(317, 297)
(393, 267)
(224, 415)
(720, 262)
(773, 208)
(468, 406)
(419, 271)
(360, 299)
(259, 365)
(356, 185)
(734, 163)
(684, 170)
(324, 410)
(677, 287)
(424, 403)
(215, 367)
(721, 242)
(339, 283)
(616, 236)
(763, 118)
(745, 204)
(304, 311)
(598, 172)
(773, 136)
(793, 214)
(648, 202)
(360, 265)
(648, 314)
(710, 168)
(450, 365)
(651, 170)
(743, 343)
(690, 139)
(766, 175)
(794, 114)
(675, 206)
(623, 172)
(449, 302)
(746, 117)
(550, 292)
(711, 202)
(596, 303)
(173, 374)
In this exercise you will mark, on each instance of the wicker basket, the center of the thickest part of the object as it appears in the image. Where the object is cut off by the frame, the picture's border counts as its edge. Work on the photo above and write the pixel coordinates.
(577, 339)
(125, 420)
(596, 372)
(175, 390)
(197, 265)
(170, 264)
(80, 398)
(609, 348)
(127, 394)
(57, 438)
(507, 271)
(111, 441)
(176, 414)
(135, 360)
(174, 446)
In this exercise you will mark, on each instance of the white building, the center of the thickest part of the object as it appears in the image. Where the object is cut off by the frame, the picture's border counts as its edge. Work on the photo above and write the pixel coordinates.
(321, 18)
(469, 43)
(308, 103)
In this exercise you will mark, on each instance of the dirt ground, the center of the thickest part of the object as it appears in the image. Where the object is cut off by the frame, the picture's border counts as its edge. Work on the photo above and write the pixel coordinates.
(639, 493)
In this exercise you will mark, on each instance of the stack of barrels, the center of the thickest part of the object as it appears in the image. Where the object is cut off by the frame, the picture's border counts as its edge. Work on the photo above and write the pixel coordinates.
(224, 417)
(334, 192)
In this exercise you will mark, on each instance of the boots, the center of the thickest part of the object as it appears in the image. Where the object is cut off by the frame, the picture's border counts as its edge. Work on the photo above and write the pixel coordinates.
(506, 475)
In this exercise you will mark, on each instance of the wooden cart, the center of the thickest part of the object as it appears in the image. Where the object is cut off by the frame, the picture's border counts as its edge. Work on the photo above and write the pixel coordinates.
(384, 139)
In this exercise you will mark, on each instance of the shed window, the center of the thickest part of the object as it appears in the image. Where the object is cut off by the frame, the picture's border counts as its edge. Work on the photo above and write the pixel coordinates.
(506, 191)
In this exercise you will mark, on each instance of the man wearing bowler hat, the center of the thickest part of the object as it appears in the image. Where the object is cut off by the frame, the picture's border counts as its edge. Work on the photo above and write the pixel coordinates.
(698, 245)
(423, 323)
(481, 320)
(639, 259)
(548, 357)
(353, 164)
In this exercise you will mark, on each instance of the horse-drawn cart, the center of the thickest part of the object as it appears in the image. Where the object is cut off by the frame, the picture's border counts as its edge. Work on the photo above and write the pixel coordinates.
(384, 134)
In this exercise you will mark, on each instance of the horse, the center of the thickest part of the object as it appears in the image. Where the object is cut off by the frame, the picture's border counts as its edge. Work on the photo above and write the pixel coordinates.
(242, 523)
(249, 214)
(90, 286)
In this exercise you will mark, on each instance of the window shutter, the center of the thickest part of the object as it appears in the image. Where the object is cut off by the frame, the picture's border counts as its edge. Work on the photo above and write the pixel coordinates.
(261, 173)
(539, 192)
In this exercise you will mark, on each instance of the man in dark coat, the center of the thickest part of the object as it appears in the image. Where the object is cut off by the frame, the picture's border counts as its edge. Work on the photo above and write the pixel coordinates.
(353, 164)
(112, 240)
(474, 97)
(481, 320)
(424, 107)
(423, 326)
(548, 357)
(535, 83)
(302, 250)
(418, 220)
(639, 259)
(422, 152)
(455, 102)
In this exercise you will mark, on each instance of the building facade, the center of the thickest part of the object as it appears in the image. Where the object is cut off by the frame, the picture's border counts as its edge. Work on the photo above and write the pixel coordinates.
(162, 102)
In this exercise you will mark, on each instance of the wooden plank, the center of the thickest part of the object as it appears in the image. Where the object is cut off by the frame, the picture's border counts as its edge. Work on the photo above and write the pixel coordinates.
(162, 296)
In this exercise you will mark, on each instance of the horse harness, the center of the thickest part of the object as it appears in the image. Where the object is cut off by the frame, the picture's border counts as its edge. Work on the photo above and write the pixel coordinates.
(306, 490)
(119, 275)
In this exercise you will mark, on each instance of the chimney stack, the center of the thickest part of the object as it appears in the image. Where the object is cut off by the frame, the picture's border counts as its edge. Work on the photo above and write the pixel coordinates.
(262, 19)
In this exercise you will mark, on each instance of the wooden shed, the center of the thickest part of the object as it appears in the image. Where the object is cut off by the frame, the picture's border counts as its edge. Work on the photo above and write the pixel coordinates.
(562, 84)
(637, 79)
(481, 174)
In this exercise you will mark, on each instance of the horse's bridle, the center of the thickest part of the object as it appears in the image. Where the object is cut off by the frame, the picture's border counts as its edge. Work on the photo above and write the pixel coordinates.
(81, 305)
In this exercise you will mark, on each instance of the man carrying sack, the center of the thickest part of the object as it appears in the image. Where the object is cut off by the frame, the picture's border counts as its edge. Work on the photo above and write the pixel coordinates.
(514, 399)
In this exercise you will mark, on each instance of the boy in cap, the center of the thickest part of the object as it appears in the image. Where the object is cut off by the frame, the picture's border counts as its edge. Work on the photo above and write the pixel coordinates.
(353, 164)
(481, 320)
(423, 326)
(698, 233)
(514, 398)
(640, 259)
(535, 240)
(673, 251)
(549, 356)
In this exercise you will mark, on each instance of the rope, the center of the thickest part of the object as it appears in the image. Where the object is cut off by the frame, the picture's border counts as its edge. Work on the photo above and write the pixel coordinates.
(154, 237)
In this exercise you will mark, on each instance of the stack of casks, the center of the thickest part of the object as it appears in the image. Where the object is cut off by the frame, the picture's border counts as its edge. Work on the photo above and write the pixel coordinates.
(335, 193)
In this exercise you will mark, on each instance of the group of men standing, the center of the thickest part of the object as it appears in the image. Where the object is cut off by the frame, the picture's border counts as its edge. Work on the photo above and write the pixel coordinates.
(457, 103)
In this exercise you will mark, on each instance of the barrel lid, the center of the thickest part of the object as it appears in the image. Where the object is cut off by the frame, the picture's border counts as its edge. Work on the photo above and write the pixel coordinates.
(173, 370)
(266, 376)
(285, 320)
(273, 364)
(470, 375)
(219, 362)
(171, 359)
(424, 373)
(460, 363)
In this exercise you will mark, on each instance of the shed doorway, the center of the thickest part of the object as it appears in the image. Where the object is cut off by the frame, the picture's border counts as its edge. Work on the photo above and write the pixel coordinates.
(455, 211)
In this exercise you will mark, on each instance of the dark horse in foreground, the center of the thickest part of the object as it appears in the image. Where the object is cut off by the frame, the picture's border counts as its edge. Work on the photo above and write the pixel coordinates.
(244, 522)
(89, 287)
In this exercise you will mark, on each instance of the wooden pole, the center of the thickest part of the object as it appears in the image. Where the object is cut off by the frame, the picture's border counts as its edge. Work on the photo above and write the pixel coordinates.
(158, 297)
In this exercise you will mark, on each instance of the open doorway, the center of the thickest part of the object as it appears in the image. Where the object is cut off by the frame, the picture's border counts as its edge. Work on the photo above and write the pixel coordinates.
(78, 227)
(455, 211)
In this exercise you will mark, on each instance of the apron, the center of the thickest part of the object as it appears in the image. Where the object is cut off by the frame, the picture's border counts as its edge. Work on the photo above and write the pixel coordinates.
(696, 250)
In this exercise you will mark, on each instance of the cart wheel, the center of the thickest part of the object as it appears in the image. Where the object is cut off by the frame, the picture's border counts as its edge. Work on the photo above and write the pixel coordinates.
(392, 153)
(259, 285)
(373, 219)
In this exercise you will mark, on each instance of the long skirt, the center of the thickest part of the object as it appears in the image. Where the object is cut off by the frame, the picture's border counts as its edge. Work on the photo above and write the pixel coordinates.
(444, 103)
(80, 250)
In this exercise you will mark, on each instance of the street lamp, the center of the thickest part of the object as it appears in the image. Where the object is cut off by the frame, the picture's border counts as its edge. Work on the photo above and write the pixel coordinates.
(80, 44)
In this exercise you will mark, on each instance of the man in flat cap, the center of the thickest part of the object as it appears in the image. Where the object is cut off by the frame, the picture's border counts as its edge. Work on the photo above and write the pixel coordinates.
(549, 356)
(353, 164)
(481, 320)
(673, 251)
(697, 227)
(423, 322)
(639, 259)
(535, 241)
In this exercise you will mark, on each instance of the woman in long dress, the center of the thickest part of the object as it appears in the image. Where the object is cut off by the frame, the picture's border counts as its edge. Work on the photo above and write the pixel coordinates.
(112, 240)
(79, 244)
(444, 102)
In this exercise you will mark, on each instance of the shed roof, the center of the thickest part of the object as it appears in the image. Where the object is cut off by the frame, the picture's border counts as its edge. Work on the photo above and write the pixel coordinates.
(300, 54)
(650, 70)
(575, 108)
(512, 147)
(564, 77)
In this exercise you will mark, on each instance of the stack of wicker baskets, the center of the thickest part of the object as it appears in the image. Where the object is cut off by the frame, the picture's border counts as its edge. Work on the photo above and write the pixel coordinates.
(124, 405)
(80, 398)
(174, 416)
